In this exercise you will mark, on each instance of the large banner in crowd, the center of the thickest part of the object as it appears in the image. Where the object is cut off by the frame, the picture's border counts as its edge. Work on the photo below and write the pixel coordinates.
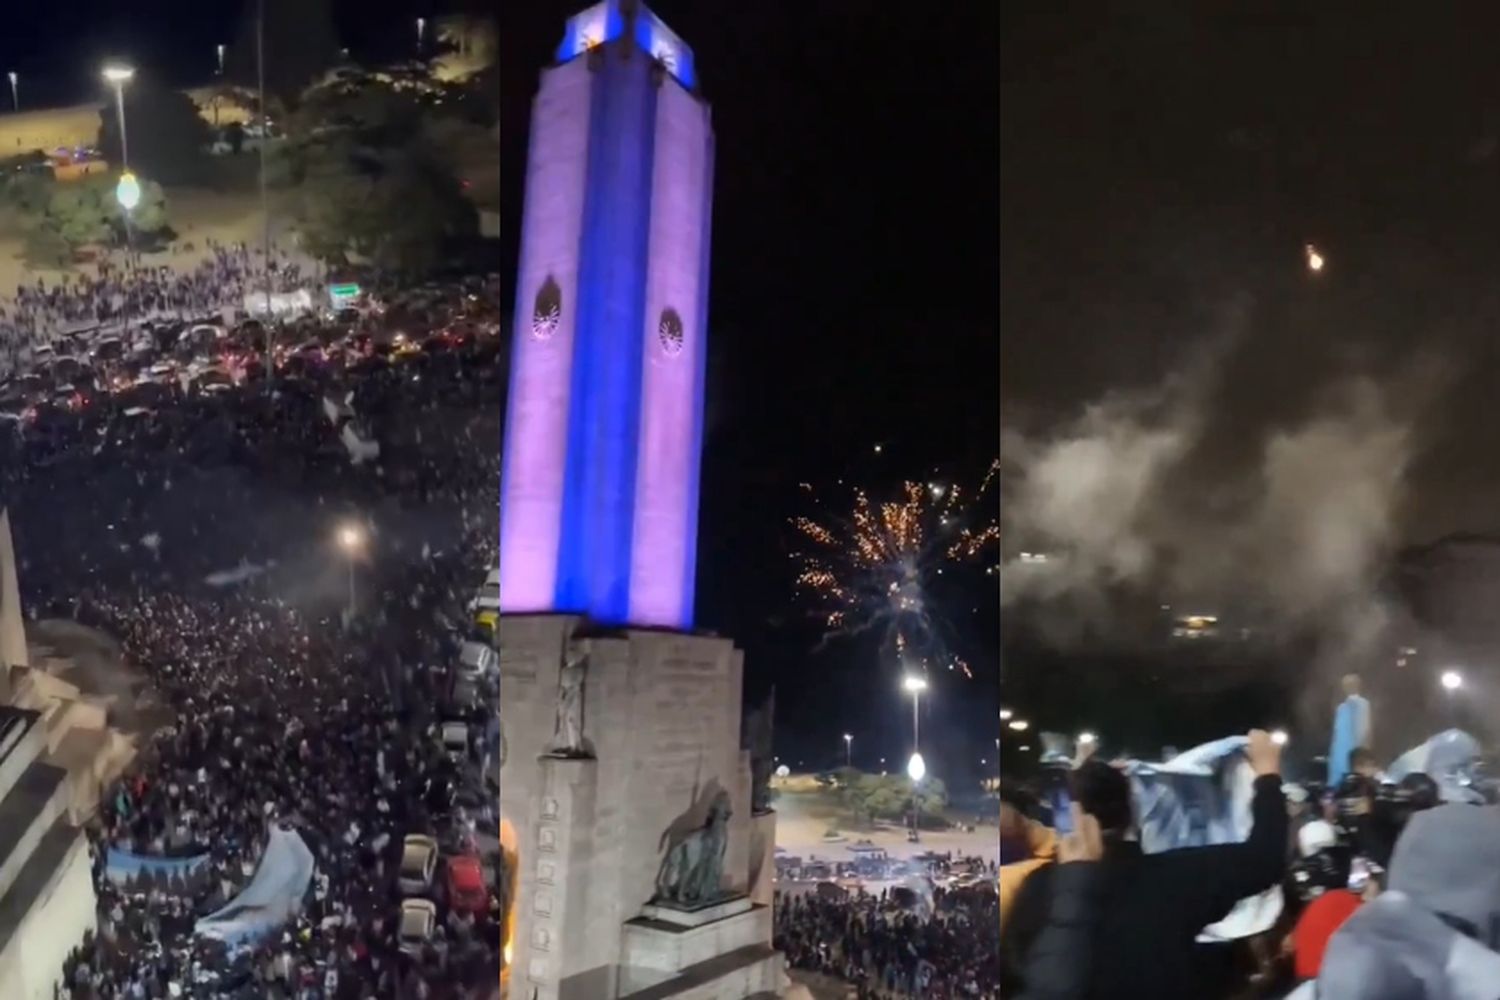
(273, 896)
(145, 872)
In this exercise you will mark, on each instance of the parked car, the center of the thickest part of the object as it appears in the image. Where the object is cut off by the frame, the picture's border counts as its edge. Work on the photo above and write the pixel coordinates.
(418, 917)
(466, 889)
(419, 854)
(477, 658)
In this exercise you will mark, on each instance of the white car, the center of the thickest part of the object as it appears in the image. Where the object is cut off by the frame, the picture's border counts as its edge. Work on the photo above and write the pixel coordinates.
(419, 855)
(477, 658)
(488, 598)
(418, 917)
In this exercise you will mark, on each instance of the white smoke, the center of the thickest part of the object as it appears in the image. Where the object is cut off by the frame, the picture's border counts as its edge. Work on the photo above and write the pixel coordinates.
(1132, 496)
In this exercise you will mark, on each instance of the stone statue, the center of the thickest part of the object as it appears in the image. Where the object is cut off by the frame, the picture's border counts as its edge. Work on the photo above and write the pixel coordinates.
(692, 872)
(759, 737)
(567, 734)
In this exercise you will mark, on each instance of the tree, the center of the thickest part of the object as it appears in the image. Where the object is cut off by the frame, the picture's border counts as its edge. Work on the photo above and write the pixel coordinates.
(394, 208)
(368, 179)
(300, 43)
(471, 37)
(166, 134)
(85, 213)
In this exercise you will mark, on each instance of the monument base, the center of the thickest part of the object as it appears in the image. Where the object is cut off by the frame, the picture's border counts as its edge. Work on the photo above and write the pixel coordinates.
(715, 952)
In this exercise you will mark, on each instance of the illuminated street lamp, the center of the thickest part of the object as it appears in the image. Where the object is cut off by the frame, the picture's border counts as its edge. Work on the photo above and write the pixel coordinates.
(118, 76)
(1005, 715)
(421, 30)
(1019, 725)
(128, 191)
(219, 49)
(352, 541)
(848, 750)
(1452, 680)
(15, 100)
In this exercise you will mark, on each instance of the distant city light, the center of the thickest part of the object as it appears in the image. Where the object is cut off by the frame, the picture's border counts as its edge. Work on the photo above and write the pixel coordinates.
(1005, 714)
(1452, 680)
(1020, 725)
(1315, 260)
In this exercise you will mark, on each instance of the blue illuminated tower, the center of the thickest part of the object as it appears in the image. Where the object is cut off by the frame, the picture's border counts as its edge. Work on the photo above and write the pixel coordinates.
(604, 431)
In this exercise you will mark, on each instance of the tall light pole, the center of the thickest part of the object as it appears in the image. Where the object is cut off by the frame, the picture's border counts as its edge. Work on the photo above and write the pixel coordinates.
(916, 770)
(118, 76)
(219, 50)
(915, 686)
(351, 540)
(1452, 682)
(265, 211)
(848, 750)
(421, 30)
(15, 98)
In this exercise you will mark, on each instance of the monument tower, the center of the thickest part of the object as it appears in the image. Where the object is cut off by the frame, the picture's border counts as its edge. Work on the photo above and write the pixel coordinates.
(599, 508)
(642, 853)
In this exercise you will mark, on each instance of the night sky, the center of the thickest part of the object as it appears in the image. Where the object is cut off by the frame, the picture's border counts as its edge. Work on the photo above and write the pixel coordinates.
(1163, 167)
(853, 302)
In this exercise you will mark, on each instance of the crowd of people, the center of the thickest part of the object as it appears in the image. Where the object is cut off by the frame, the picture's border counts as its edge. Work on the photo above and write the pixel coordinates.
(125, 287)
(1367, 889)
(279, 710)
(888, 949)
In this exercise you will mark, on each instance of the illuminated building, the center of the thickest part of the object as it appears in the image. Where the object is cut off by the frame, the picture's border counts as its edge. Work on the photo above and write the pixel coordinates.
(598, 550)
(599, 491)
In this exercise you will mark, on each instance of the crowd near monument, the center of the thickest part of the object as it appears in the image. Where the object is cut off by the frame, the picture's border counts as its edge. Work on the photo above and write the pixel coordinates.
(641, 851)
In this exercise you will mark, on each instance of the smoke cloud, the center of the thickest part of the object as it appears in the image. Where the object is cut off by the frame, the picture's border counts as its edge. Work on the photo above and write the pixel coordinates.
(1167, 494)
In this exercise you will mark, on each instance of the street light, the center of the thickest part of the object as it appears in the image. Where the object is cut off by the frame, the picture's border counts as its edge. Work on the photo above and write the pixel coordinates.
(421, 26)
(848, 750)
(1452, 680)
(118, 76)
(1005, 715)
(914, 686)
(15, 100)
(351, 540)
(220, 50)
(1020, 725)
(917, 769)
(128, 192)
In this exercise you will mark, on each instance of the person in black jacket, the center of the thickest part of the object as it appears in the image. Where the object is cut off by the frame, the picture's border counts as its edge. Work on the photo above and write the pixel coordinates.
(1152, 907)
(1059, 963)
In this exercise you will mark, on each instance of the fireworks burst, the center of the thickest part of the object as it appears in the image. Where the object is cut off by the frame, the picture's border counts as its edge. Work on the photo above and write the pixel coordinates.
(876, 567)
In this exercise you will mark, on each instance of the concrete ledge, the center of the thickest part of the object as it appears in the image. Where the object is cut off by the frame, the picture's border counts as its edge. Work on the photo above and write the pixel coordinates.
(751, 971)
(666, 913)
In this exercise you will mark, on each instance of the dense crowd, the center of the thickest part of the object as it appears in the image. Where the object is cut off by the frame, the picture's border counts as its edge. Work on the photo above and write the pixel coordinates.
(124, 287)
(281, 712)
(887, 948)
(1369, 887)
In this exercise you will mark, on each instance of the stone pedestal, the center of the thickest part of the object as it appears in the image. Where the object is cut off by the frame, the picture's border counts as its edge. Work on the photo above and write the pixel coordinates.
(721, 950)
(763, 857)
(661, 717)
(557, 870)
